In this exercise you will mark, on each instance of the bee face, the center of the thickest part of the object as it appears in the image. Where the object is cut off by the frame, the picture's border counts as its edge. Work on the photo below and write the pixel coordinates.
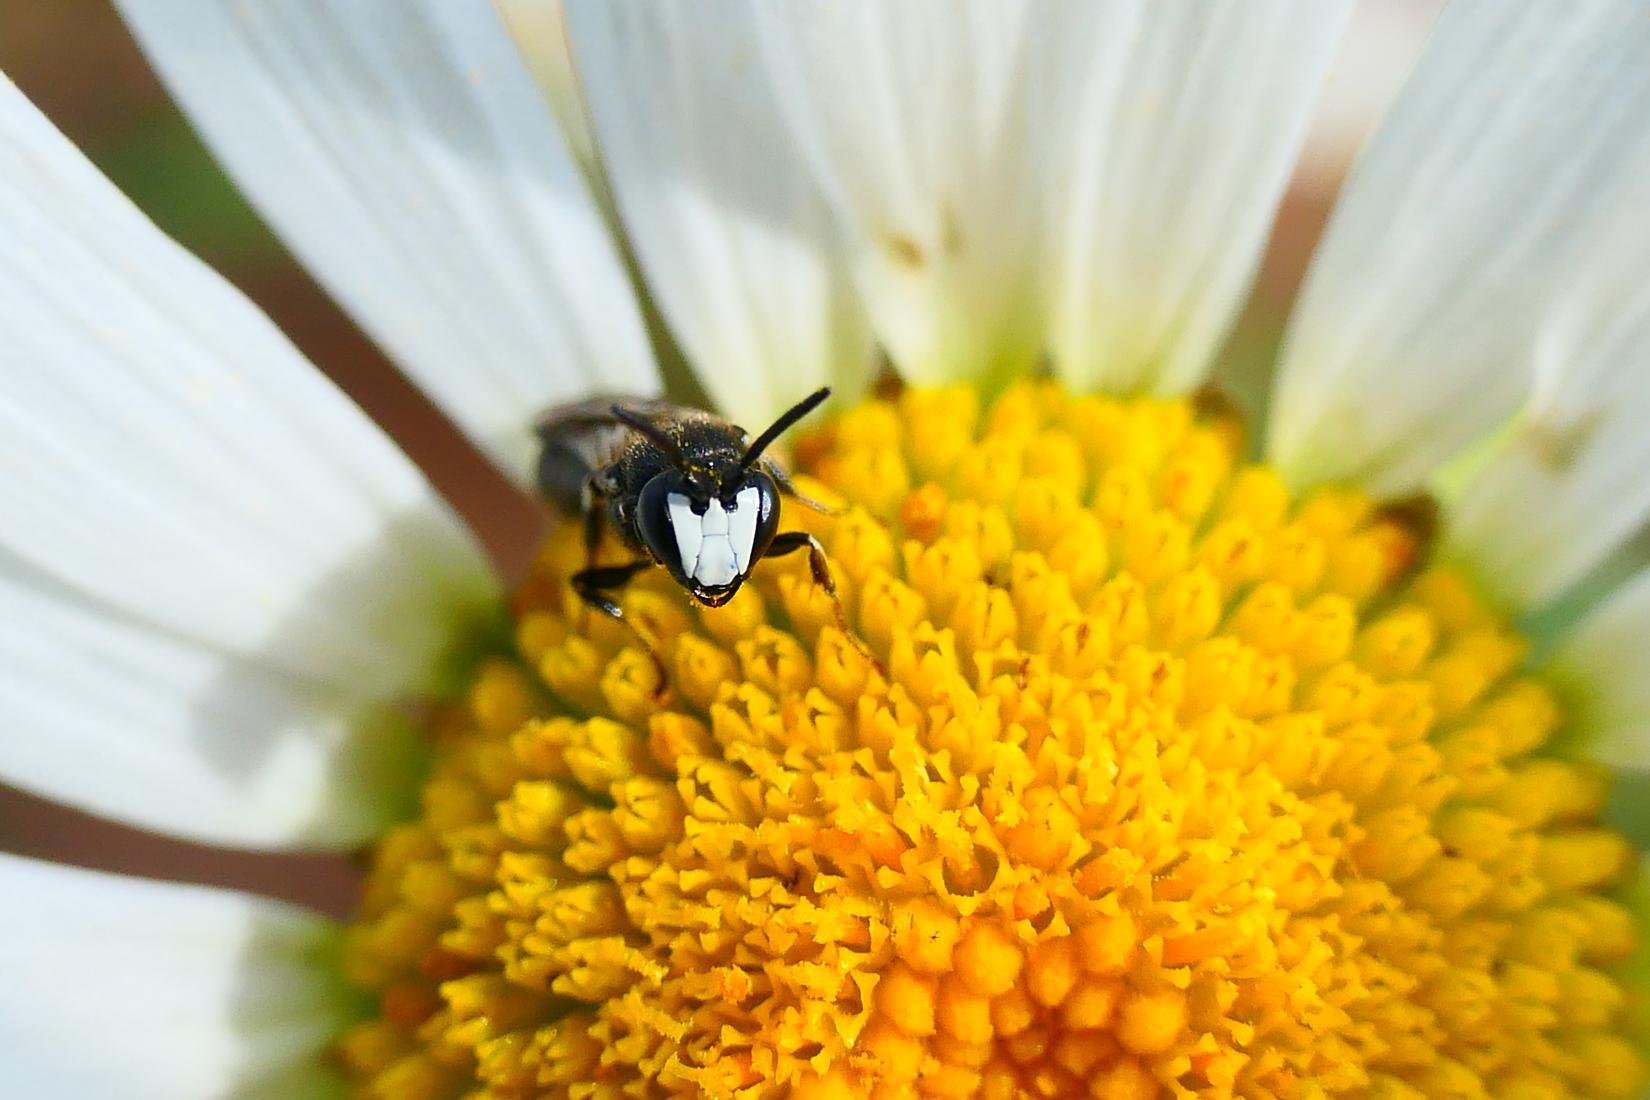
(709, 540)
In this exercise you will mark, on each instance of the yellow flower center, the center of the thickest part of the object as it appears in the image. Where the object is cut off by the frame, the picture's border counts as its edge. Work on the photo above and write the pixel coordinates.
(1172, 787)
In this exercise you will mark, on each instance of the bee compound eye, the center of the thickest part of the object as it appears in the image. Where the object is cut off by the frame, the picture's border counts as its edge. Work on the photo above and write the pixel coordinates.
(767, 515)
(675, 545)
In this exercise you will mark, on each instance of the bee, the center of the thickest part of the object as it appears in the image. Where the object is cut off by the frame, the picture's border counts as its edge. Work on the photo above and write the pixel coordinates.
(683, 490)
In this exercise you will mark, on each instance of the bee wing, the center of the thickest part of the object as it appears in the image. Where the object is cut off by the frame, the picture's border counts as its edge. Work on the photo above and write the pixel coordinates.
(595, 413)
(574, 415)
(584, 437)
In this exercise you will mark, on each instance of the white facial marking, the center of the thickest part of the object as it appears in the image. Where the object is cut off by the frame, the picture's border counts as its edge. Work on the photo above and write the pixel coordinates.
(716, 547)
(717, 565)
(716, 520)
(747, 507)
(689, 534)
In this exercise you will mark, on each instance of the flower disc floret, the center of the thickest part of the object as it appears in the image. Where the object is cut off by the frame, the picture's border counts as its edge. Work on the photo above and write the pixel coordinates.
(1167, 785)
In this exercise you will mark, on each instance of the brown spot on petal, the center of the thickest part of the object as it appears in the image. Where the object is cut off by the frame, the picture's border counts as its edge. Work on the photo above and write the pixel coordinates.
(1558, 446)
(904, 250)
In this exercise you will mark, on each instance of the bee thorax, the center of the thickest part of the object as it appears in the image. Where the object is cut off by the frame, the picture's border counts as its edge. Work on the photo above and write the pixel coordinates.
(715, 547)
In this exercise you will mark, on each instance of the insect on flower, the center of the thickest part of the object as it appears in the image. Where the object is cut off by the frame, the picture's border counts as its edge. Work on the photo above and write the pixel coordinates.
(683, 489)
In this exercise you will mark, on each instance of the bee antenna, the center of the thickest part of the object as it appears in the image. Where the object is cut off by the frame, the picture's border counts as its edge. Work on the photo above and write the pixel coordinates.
(786, 419)
(653, 432)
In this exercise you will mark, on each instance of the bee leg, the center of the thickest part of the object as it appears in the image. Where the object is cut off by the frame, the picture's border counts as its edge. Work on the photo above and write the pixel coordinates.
(591, 584)
(788, 487)
(594, 493)
(593, 499)
(592, 526)
(788, 542)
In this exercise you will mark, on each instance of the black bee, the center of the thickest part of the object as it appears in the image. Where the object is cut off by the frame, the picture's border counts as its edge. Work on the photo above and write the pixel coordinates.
(682, 489)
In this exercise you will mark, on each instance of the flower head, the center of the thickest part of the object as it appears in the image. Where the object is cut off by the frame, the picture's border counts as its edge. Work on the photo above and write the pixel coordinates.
(1190, 757)
(1171, 781)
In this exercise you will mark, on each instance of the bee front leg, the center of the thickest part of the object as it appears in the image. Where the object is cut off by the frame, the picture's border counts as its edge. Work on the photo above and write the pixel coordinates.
(591, 585)
(593, 500)
(789, 542)
(592, 533)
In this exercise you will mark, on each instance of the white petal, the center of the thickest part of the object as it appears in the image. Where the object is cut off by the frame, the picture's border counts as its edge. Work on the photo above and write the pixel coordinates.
(168, 454)
(727, 224)
(540, 30)
(117, 987)
(1605, 663)
(1179, 135)
(914, 118)
(1571, 482)
(140, 726)
(404, 152)
(1442, 276)
(1378, 49)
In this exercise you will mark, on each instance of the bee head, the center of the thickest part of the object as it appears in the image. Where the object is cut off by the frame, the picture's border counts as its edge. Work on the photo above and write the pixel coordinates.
(709, 541)
(708, 527)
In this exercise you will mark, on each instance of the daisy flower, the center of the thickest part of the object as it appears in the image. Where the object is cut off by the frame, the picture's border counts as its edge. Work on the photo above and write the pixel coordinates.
(1197, 756)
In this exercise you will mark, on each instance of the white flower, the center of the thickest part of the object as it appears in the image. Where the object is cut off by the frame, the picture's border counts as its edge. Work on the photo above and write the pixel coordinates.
(217, 577)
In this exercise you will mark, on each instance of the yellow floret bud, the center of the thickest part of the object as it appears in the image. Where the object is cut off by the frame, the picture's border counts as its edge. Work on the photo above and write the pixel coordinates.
(1156, 783)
